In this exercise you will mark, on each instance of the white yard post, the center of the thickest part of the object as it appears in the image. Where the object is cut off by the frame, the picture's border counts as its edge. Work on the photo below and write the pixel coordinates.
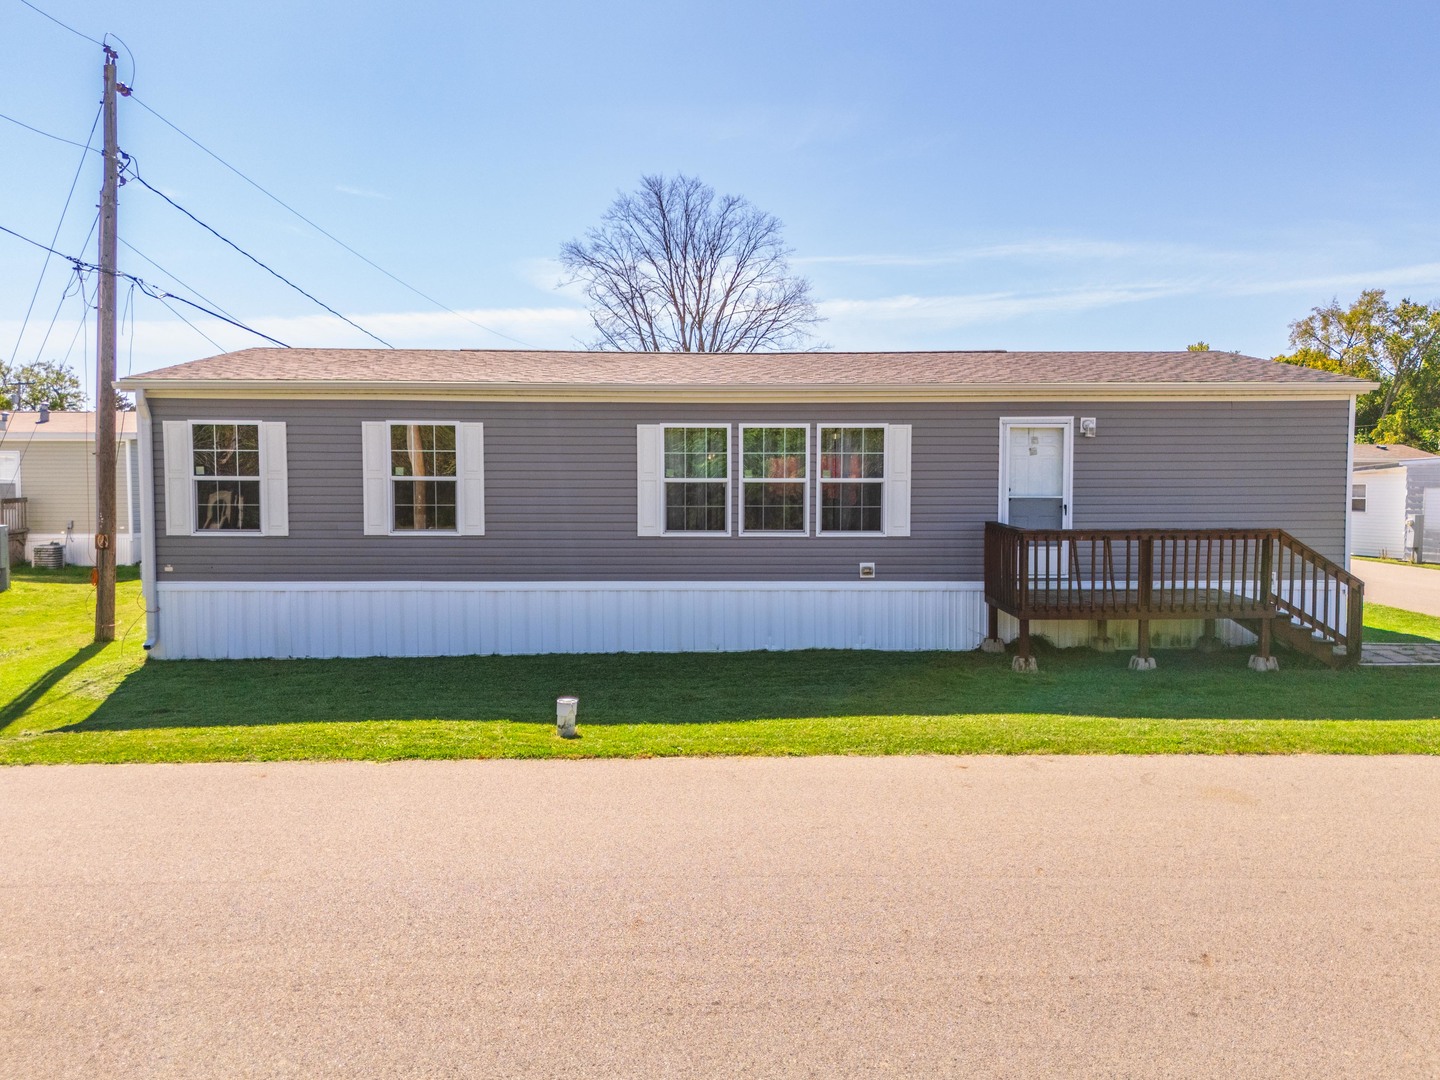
(565, 710)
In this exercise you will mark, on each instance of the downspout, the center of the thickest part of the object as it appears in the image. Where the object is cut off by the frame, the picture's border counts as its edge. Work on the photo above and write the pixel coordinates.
(1349, 480)
(147, 522)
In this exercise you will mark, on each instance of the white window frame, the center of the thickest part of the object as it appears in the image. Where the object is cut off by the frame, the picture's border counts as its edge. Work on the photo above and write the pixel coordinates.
(1067, 424)
(665, 481)
(263, 459)
(6, 455)
(390, 480)
(1360, 498)
(884, 480)
(809, 471)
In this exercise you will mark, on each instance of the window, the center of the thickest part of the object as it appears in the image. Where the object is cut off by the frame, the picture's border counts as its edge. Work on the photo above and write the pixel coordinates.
(225, 476)
(423, 477)
(1357, 498)
(225, 463)
(774, 479)
(852, 479)
(697, 479)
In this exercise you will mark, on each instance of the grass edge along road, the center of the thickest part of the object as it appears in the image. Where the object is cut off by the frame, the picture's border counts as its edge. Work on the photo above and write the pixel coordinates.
(63, 699)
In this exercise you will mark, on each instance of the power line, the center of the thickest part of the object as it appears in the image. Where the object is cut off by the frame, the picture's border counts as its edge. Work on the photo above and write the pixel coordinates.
(65, 293)
(172, 275)
(25, 322)
(322, 230)
(152, 291)
(65, 26)
(49, 135)
(135, 175)
(192, 326)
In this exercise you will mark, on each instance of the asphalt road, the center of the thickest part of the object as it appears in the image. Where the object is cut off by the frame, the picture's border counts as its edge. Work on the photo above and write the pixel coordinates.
(1413, 588)
(1229, 917)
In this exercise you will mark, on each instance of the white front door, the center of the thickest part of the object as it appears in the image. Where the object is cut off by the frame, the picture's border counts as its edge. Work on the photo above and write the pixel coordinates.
(1035, 477)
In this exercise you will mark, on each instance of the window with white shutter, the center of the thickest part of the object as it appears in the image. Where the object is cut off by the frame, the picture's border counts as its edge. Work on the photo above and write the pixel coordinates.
(226, 476)
(423, 477)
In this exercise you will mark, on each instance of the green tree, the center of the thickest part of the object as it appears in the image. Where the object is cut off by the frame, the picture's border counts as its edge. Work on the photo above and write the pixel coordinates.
(45, 382)
(1395, 345)
(1199, 346)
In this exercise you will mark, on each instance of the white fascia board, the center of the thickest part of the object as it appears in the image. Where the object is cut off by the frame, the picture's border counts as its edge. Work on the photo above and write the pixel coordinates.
(309, 390)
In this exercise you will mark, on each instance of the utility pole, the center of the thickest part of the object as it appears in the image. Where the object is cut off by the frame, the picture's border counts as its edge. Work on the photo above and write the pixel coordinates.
(105, 371)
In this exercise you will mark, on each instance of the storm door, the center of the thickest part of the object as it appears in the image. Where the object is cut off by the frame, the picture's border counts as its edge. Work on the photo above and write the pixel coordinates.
(1035, 473)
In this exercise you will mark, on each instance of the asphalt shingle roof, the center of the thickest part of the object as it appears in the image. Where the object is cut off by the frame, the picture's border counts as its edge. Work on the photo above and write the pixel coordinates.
(515, 367)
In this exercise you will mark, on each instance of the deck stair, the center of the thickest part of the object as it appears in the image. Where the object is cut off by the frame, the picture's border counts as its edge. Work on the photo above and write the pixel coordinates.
(1265, 580)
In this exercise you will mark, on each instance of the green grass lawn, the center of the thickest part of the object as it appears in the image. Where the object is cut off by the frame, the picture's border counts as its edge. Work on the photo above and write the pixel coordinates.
(1387, 624)
(1397, 562)
(63, 700)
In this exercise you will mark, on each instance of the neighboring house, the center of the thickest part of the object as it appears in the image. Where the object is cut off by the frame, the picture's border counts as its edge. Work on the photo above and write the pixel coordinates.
(1395, 503)
(327, 502)
(47, 476)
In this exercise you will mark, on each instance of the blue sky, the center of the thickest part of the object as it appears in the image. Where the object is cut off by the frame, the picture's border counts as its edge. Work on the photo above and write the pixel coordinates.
(1013, 175)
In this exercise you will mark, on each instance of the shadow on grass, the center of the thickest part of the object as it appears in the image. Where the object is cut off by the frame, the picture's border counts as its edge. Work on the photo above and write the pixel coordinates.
(719, 687)
(19, 705)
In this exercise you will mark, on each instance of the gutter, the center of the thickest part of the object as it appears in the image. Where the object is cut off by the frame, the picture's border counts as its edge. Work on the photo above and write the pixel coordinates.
(147, 523)
(742, 392)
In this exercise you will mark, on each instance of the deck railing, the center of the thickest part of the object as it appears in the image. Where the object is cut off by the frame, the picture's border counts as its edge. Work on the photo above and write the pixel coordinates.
(12, 513)
(1148, 574)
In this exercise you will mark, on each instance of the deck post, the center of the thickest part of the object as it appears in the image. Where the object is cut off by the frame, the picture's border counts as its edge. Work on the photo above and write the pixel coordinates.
(1142, 660)
(1102, 641)
(992, 642)
(1209, 641)
(1263, 661)
(1354, 623)
(1024, 659)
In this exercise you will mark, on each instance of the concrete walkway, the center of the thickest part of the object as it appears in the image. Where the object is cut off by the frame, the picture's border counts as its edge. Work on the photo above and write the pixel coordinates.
(1413, 588)
(823, 917)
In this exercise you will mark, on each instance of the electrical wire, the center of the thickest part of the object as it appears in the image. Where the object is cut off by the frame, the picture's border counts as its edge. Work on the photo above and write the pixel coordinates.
(322, 230)
(64, 294)
(65, 26)
(172, 275)
(49, 135)
(215, 344)
(135, 175)
(152, 291)
(69, 195)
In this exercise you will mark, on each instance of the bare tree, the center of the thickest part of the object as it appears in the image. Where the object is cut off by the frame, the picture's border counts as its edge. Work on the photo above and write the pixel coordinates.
(674, 268)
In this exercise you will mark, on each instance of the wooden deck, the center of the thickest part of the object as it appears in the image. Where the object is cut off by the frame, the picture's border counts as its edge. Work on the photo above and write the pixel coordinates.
(1263, 579)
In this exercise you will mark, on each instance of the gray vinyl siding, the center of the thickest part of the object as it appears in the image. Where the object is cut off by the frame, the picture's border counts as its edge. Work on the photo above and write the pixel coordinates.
(561, 489)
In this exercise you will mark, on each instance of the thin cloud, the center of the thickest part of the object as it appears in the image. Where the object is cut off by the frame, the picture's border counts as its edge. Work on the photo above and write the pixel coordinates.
(360, 193)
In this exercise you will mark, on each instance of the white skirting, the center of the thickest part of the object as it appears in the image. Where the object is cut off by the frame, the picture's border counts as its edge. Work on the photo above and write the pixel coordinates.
(238, 620)
(250, 620)
(80, 547)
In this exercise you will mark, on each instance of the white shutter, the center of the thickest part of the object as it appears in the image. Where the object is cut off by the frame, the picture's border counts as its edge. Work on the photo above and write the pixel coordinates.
(897, 479)
(179, 478)
(650, 461)
(274, 480)
(470, 462)
(375, 468)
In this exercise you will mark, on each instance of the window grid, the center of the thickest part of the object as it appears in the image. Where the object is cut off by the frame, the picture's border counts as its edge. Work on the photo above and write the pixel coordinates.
(851, 482)
(696, 473)
(225, 466)
(423, 478)
(775, 479)
(1357, 498)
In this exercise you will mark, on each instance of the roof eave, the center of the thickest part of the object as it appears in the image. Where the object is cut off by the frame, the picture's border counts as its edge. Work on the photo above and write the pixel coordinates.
(1088, 391)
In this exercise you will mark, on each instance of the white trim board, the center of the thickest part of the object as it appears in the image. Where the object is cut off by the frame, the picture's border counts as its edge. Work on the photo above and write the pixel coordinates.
(1067, 426)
